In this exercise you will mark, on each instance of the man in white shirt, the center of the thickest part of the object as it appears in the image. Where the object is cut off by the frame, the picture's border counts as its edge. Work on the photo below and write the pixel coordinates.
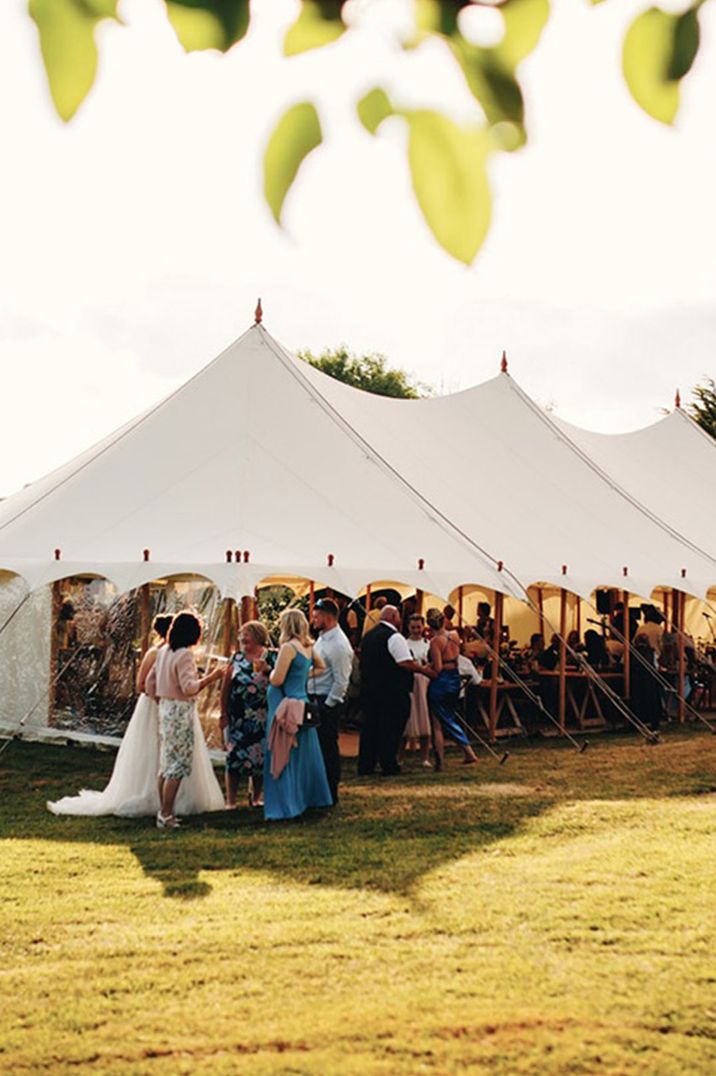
(387, 668)
(329, 688)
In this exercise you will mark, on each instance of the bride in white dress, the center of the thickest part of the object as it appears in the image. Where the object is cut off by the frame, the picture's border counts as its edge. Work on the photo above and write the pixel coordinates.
(133, 787)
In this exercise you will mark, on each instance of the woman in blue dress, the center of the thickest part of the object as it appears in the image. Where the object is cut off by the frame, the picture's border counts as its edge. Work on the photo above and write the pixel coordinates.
(302, 783)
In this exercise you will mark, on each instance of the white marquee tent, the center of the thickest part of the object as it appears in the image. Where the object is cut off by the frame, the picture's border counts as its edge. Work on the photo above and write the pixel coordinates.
(261, 453)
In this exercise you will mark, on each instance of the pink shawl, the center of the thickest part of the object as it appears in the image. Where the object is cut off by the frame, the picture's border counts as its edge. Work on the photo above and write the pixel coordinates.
(282, 737)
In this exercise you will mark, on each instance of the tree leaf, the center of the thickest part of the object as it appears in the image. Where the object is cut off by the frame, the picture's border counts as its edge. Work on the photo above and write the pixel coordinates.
(208, 24)
(659, 48)
(66, 29)
(297, 133)
(319, 23)
(438, 16)
(448, 164)
(524, 22)
(373, 109)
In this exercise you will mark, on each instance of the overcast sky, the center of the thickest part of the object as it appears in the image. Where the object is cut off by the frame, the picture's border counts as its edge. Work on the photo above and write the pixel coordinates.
(135, 240)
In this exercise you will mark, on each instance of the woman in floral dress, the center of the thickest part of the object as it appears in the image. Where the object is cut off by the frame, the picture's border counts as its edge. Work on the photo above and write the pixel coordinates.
(243, 712)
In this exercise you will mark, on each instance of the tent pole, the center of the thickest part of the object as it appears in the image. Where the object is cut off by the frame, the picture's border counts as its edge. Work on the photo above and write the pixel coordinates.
(627, 644)
(255, 604)
(144, 625)
(562, 658)
(419, 602)
(311, 596)
(228, 618)
(540, 603)
(54, 650)
(679, 618)
(495, 669)
(367, 598)
(578, 624)
(460, 604)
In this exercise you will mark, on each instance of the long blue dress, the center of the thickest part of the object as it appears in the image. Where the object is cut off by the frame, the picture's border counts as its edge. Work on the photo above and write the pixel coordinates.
(303, 782)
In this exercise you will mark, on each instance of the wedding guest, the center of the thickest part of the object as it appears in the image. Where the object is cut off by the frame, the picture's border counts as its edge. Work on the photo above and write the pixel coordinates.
(449, 615)
(596, 651)
(373, 616)
(243, 712)
(387, 668)
(418, 725)
(300, 782)
(329, 688)
(175, 682)
(652, 629)
(444, 691)
(485, 625)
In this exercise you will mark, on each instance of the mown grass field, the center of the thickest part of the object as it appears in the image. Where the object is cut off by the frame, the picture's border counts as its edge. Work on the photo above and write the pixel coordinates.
(555, 915)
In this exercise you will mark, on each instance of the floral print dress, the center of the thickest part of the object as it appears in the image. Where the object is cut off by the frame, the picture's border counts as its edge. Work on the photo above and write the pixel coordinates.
(247, 716)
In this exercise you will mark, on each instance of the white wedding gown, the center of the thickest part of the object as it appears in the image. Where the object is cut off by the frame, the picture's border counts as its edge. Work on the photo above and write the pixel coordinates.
(132, 788)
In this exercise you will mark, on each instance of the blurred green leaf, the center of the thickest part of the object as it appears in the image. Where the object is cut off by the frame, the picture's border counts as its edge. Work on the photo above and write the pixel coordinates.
(490, 82)
(524, 22)
(298, 133)
(208, 24)
(659, 48)
(448, 165)
(318, 24)
(66, 29)
(373, 109)
(438, 17)
(687, 37)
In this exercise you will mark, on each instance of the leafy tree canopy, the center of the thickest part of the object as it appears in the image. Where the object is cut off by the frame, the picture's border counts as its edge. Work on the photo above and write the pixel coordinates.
(448, 160)
(703, 407)
(368, 372)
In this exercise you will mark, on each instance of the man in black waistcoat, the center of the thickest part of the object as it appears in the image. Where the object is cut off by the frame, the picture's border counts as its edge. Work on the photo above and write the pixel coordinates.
(386, 674)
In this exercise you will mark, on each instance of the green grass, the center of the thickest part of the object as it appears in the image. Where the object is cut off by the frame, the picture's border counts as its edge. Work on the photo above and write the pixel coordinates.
(555, 915)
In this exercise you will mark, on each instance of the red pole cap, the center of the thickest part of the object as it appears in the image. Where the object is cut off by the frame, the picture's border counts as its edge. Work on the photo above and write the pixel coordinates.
(145, 554)
(564, 569)
(500, 565)
(677, 400)
(228, 556)
(58, 554)
(503, 363)
(331, 558)
(246, 556)
(421, 564)
(683, 573)
(237, 556)
(258, 313)
(625, 570)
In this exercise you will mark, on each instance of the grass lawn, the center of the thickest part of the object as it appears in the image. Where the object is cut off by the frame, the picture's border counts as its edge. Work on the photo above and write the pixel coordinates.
(555, 915)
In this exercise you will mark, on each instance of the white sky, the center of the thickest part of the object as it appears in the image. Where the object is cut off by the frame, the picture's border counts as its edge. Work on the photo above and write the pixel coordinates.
(135, 240)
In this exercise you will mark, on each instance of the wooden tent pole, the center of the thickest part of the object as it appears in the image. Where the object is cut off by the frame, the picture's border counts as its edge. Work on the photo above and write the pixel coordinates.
(627, 641)
(460, 603)
(495, 670)
(579, 617)
(144, 625)
(540, 603)
(54, 649)
(562, 658)
(226, 633)
(311, 596)
(419, 597)
(679, 619)
(367, 598)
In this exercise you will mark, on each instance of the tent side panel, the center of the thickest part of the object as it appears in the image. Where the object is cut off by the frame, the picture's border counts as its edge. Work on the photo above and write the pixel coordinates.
(24, 652)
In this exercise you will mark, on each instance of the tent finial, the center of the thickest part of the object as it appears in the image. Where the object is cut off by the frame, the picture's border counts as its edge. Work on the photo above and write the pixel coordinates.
(58, 554)
(330, 558)
(145, 554)
(677, 400)
(564, 569)
(503, 363)
(625, 570)
(683, 573)
(258, 313)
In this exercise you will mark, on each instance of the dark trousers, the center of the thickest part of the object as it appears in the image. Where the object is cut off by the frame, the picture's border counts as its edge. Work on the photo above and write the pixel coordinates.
(382, 724)
(328, 737)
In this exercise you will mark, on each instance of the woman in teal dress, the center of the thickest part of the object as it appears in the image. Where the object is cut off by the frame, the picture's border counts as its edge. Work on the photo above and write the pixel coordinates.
(302, 783)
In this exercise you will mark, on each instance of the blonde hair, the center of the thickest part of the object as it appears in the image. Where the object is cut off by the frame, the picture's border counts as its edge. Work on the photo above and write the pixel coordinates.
(257, 631)
(293, 625)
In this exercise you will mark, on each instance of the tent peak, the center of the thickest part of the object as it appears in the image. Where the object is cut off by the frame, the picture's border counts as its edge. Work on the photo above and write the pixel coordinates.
(677, 400)
(258, 313)
(503, 363)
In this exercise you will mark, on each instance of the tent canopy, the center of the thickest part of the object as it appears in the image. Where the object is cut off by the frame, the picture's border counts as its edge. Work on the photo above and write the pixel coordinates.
(260, 452)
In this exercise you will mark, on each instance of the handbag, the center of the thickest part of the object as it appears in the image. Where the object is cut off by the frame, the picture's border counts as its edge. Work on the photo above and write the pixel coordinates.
(311, 715)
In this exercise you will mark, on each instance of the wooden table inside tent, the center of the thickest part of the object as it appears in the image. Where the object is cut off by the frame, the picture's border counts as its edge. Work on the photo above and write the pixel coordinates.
(507, 693)
(586, 702)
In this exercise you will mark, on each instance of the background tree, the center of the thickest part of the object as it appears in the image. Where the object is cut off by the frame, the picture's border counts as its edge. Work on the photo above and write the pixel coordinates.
(448, 160)
(703, 407)
(368, 372)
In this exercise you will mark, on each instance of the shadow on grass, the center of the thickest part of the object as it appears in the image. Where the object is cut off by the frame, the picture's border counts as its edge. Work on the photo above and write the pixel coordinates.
(385, 835)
